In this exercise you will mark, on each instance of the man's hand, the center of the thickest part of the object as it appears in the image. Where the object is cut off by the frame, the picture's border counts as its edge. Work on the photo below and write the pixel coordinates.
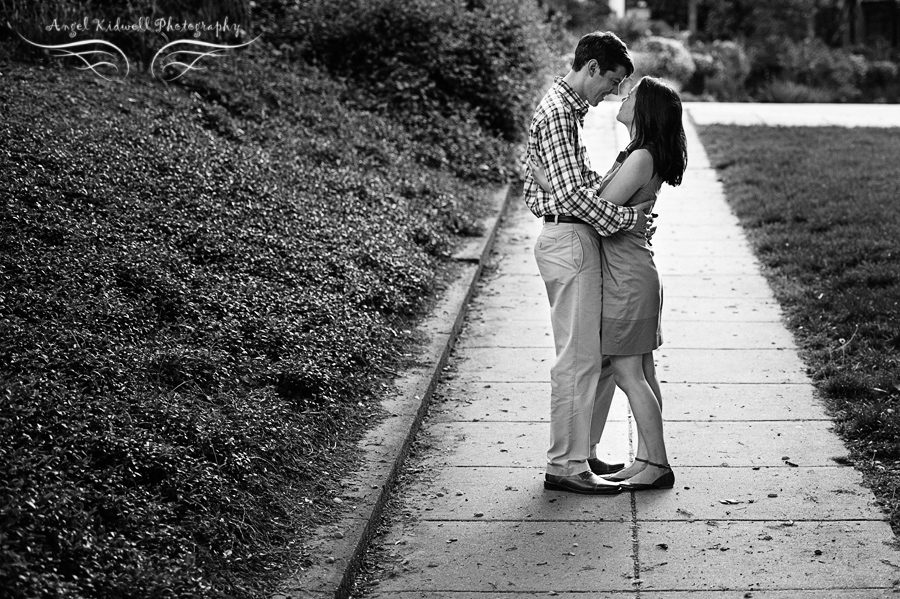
(651, 227)
(644, 220)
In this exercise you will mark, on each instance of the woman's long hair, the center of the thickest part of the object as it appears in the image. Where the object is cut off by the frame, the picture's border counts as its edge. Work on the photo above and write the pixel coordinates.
(658, 128)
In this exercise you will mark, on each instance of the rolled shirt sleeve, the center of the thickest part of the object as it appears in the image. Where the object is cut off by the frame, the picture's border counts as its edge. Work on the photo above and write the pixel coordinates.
(554, 142)
(572, 190)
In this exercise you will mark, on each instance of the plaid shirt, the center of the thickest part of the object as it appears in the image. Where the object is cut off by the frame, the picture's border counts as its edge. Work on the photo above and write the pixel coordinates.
(554, 142)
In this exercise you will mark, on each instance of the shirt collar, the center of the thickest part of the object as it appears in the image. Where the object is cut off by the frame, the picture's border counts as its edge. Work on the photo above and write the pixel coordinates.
(575, 101)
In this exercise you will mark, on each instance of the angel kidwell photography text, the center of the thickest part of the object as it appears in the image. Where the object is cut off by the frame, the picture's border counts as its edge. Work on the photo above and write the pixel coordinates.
(89, 47)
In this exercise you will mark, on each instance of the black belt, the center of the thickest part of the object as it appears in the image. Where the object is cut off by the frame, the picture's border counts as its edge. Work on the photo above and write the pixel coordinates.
(560, 218)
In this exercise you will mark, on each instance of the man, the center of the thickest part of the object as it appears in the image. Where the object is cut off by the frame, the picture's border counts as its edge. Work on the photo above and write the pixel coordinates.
(568, 256)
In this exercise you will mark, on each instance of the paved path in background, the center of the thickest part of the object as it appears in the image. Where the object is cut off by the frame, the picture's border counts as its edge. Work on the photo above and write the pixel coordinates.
(760, 507)
(805, 115)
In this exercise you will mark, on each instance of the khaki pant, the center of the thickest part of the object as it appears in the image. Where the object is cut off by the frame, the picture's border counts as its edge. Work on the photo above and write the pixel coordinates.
(582, 386)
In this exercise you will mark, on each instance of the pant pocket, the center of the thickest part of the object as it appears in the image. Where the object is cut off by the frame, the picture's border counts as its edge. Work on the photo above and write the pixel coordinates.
(561, 251)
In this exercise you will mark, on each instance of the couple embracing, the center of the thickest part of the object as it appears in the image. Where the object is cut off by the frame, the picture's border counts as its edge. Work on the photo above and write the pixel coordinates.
(593, 255)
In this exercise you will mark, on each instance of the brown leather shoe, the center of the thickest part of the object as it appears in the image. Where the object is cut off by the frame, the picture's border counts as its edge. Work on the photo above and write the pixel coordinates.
(586, 483)
(601, 467)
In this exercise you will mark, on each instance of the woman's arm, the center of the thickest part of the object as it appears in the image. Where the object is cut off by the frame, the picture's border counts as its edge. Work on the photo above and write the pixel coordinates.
(573, 187)
(634, 173)
(539, 175)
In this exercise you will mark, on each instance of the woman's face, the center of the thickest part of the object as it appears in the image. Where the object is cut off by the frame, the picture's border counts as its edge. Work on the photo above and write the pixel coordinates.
(626, 110)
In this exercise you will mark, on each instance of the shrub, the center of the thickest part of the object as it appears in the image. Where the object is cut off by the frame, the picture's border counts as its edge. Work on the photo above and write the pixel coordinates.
(576, 16)
(882, 81)
(202, 288)
(633, 28)
(666, 58)
(881, 73)
(817, 65)
(813, 65)
(758, 21)
(475, 57)
(783, 91)
(722, 70)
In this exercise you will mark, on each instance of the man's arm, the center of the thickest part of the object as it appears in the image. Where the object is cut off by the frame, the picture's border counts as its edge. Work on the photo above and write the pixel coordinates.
(575, 197)
(644, 220)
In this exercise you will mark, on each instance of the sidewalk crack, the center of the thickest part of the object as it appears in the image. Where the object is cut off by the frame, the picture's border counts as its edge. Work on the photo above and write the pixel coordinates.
(635, 548)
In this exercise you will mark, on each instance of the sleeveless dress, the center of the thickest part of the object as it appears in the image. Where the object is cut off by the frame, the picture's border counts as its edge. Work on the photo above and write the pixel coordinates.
(632, 293)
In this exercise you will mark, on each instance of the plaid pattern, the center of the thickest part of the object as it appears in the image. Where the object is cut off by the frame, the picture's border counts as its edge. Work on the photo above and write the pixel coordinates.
(554, 142)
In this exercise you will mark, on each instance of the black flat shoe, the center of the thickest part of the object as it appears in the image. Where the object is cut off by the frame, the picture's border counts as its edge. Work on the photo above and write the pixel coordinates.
(666, 481)
(616, 479)
(601, 467)
(586, 483)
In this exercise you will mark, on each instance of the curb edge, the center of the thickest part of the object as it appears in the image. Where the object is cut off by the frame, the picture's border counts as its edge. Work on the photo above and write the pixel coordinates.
(385, 448)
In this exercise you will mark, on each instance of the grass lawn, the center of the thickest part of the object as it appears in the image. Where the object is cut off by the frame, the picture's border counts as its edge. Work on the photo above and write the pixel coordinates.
(821, 207)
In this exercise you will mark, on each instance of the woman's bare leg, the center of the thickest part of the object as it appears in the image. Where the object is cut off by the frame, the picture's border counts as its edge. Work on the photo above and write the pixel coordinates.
(650, 376)
(645, 398)
(649, 369)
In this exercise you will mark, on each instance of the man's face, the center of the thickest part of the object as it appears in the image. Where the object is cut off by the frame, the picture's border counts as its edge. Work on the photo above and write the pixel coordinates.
(602, 84)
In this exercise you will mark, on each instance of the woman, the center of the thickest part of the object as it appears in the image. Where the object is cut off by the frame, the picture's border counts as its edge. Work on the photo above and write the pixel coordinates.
(632, 294)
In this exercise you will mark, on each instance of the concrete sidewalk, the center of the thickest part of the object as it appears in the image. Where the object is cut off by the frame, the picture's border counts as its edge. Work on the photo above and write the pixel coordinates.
(760, 507)
(794, 115)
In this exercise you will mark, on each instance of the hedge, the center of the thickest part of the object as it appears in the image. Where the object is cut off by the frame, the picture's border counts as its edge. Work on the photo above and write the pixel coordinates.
(204, 290)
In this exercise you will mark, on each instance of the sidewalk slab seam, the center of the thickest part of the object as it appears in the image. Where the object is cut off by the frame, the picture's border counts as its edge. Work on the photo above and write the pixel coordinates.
(731, 440)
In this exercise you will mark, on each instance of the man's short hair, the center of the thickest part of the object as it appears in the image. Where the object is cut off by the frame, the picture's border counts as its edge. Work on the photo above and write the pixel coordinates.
(604, 47)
